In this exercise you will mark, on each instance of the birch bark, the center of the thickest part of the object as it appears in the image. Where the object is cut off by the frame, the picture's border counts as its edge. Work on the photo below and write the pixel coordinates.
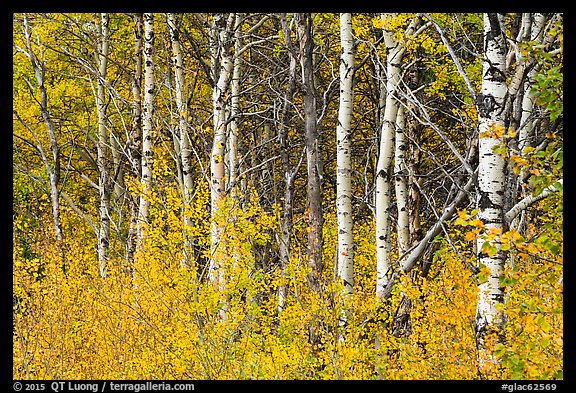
(345, 256)
(491, 184)
(386, 153)
(235, 107)
(222, 69)
(394, 54)
(135, 149)
(185, 150)
(401, 184)
(102, 149)
(54, 171)
(147, 111)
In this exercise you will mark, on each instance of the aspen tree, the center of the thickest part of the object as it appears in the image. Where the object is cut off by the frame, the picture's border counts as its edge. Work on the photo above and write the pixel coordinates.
(54, 169)
(532, 28)
(534, 31)
(345, 255)
(385, 155)
(235, 106)
(147, 112)
(314, 194)
(288, 170)
(104, 183)
(383, 197)
(413, 130)
(402, 316)
(400, 183)
(222, 64)
(491, 182)
(185, 150)
(135, 147)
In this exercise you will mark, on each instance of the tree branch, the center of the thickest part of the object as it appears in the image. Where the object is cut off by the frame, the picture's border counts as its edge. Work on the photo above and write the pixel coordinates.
(453, 56)
(416, 252)
(529, 201)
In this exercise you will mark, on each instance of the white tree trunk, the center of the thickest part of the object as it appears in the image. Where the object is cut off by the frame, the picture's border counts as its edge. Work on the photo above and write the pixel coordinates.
(394, 54)
(491, 182)
(235, 108)
(386, 154)
(135, 150)
(53, 174)
(185, 150)
(528, 100)
(147, 111)
(223, 69)
(102, 148)
(345, 255)
(401, 184)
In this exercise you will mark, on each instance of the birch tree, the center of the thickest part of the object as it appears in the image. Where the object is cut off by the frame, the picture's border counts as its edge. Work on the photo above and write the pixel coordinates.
(235, 106)
(345, 255)
(185, 149)
(147, 128)
(491, 182)
(53, 169)
(533, 26)
(383, 197)
(401, 184)
(222, 64)
(135, 145)
(104, 182)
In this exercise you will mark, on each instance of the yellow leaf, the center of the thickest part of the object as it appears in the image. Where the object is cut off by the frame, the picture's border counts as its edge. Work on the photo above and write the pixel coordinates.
(477, 223)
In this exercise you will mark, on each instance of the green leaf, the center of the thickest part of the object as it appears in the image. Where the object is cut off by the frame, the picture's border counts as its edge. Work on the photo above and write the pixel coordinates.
(558, 186)
(543, 323)
(507, 281)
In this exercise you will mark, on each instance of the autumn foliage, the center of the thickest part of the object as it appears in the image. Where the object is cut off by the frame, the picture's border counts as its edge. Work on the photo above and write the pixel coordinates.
(158, 315)
(161, 321)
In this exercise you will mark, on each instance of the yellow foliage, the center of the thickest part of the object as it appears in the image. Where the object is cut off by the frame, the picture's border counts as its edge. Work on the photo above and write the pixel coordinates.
(163, 321)
(157, 318)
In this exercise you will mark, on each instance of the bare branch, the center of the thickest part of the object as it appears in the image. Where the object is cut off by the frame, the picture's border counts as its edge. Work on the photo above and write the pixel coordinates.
(529, 201)
(418, 250)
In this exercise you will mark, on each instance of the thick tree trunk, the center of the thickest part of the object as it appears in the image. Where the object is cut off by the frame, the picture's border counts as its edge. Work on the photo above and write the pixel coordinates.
(147, 112)
(491, 183)
(314, 194)
(345, 255)
(383, 196)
